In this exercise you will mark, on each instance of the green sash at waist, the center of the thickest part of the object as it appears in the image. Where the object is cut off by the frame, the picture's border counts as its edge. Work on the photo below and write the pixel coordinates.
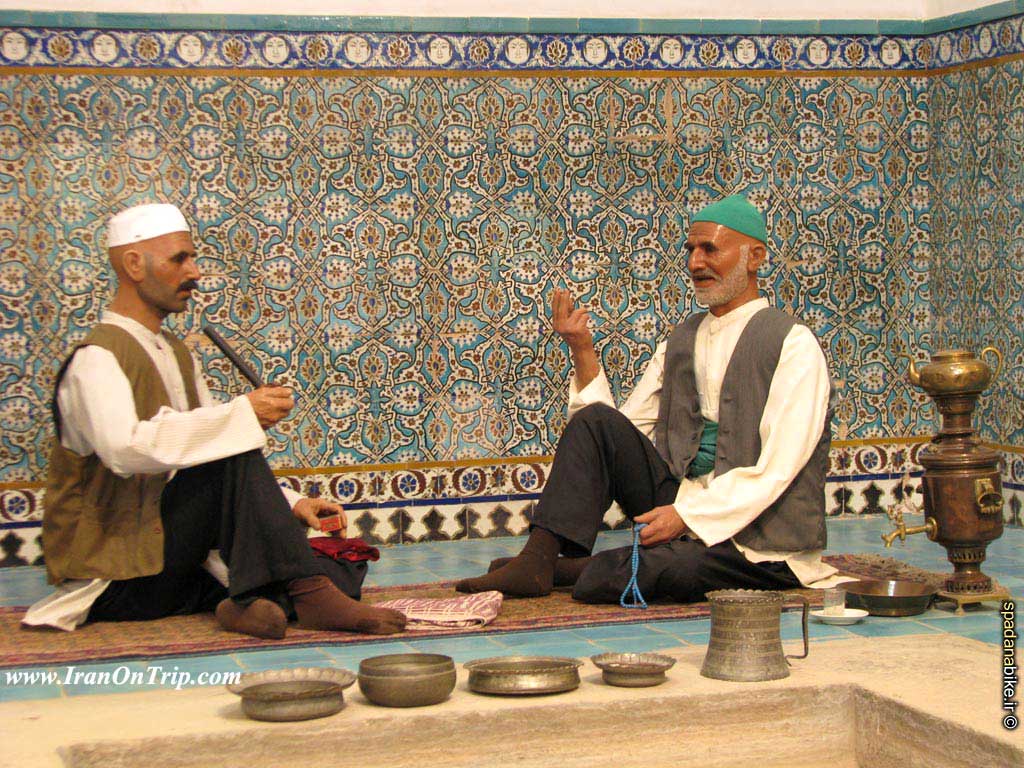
(704, 461)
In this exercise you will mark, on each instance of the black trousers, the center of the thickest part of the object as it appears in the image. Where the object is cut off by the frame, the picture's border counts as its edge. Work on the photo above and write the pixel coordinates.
(234, 505)
(602, 458)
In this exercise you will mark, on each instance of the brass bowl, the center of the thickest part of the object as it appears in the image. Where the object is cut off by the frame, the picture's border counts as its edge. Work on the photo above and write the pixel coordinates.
(282, 695)
(633, 670)
(892, 597)
(407, 679)
(524, 675)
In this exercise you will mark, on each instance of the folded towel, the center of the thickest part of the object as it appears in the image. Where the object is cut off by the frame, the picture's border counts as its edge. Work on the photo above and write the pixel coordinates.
(447, 613)
(353, 550)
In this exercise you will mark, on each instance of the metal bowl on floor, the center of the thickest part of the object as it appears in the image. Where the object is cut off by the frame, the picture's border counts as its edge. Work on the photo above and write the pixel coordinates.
(282, 695)
(633, 670)
(524, 675)
(407, 679)
(892, 597)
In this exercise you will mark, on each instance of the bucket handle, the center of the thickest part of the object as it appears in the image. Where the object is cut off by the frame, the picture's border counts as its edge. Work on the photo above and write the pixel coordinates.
(806, 608)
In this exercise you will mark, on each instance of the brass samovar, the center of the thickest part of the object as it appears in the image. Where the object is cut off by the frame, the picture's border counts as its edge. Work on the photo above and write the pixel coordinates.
(963, 501)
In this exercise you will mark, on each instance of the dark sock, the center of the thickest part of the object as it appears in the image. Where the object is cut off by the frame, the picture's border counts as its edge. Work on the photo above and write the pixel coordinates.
(567, 569)
(529, 574)
(261, 618)
(321, 605)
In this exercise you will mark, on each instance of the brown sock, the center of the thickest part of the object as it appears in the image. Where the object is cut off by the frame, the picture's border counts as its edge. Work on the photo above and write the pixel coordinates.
(567, 569)
(321, 605)
(261, 618)
(531, 573)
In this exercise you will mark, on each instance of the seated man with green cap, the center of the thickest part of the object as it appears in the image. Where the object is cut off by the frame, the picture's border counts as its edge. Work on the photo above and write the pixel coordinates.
(721, 450)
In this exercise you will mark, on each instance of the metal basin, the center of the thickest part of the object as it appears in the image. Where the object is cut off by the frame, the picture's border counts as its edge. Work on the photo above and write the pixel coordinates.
(893, 597)
(283, 695)
(633, 670)
(407, 679)
(524, 675)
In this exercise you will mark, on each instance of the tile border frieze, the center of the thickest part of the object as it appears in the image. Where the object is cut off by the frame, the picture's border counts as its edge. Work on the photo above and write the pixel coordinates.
(327, 51)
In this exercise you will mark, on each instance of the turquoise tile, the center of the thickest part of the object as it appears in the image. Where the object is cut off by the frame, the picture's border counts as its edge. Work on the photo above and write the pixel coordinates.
(900, 27)
(576, 649)
(988, 626)
(29, 692)
(31, 683)
(616, 631)
(257, 661)
(344, 657)
(519, 639)
(482, 24)
(609, 26)
(678, 628)
(380, 24)
(984, 636)
(877, 626)
(789, 27)
(397, 579)
(731, 26)
(671, 26)
(450, 24)
(790, 629)
(637, 644)
(461, 649)
(848, 27)
(23, 585)
(508, 26)
(10, 18)
(554, 26)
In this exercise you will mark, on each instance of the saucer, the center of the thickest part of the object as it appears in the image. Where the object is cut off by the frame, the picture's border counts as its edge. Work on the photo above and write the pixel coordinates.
(848, 616)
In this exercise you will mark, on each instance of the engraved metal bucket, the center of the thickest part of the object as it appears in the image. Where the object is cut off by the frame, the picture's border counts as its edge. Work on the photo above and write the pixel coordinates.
(745, 641)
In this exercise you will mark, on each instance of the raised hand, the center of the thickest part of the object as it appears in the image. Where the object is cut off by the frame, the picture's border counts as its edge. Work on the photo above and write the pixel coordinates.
(271, 404)
(570, 322)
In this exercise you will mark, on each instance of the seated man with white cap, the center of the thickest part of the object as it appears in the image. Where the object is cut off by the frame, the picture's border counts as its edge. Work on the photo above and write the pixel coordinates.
(147, 475)
(721, 450)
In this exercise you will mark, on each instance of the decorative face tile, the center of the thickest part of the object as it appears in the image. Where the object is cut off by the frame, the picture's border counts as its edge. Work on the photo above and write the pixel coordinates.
(291, 50)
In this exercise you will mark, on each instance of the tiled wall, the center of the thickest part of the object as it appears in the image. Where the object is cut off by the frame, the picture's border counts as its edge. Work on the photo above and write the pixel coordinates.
(977, 274)
(381, 216)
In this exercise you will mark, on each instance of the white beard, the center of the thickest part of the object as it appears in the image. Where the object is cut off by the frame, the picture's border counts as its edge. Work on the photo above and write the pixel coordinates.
(729, 287)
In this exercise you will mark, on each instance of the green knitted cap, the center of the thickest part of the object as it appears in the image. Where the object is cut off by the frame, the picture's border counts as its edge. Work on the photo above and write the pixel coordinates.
(736, 213)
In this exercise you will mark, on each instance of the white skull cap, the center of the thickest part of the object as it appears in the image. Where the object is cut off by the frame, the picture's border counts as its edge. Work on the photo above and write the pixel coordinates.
(143, 222)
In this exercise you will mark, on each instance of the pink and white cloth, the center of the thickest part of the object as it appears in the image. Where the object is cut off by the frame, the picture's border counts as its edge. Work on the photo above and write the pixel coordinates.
(462, 612)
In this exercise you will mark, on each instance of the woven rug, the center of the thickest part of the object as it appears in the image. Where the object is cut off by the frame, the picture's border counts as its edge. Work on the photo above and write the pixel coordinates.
(199, 634)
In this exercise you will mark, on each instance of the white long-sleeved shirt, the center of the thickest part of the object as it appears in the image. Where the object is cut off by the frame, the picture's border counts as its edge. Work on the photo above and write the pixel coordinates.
(716, 508)
(98, 416)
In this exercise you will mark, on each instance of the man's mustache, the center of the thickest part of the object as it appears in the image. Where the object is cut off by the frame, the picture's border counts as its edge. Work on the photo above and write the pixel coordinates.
(189, 285)
(704, 273)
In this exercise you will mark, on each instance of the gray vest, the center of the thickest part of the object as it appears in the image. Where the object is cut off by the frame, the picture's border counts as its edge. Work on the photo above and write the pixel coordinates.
(796, 521)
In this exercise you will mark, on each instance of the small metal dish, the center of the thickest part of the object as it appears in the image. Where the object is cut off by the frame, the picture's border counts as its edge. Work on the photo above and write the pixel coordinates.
(524, 675)
(892, 597)
(633, 670)
(282, 695)
(407, 679)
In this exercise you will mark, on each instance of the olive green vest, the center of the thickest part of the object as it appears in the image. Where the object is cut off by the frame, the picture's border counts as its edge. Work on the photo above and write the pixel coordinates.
(97, 525)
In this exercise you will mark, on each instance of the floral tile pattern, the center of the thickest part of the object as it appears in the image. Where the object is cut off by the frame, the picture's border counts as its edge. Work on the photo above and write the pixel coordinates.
(381, 217)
